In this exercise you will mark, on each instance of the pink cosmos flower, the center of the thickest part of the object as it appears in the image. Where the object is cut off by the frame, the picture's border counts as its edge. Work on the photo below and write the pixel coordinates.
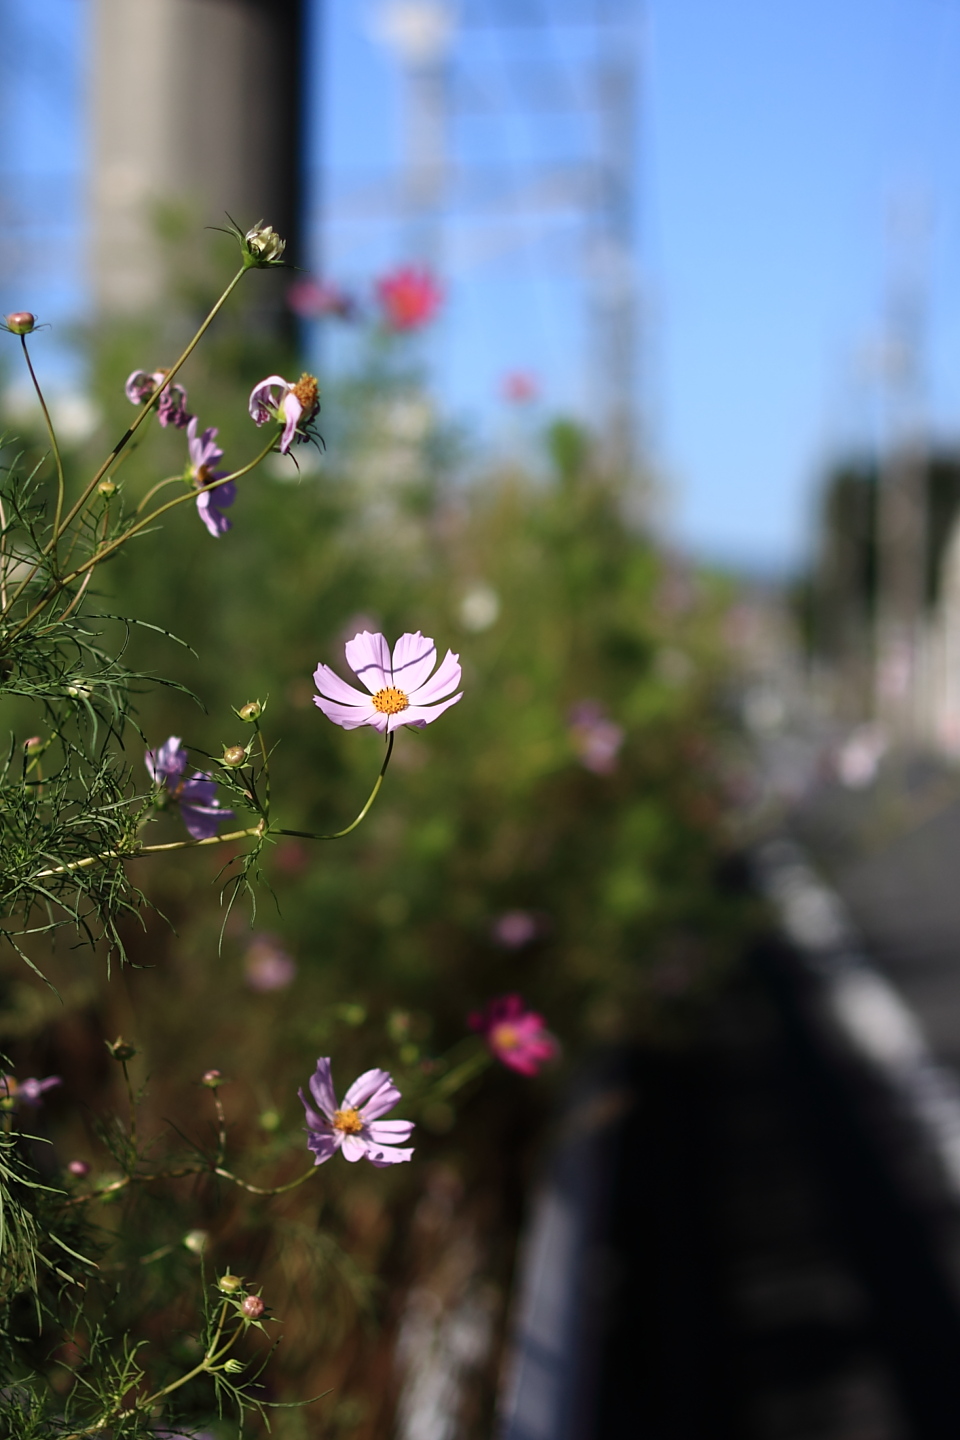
(409, 297)
(267, 966)
(200, 809)
(171, 402)
(400, 691)
(355, 1126)
(596, 739)
(315, 299)
(293, 405)
(27, 1092)
(515, 928)
(204, 454)
(515, 1035)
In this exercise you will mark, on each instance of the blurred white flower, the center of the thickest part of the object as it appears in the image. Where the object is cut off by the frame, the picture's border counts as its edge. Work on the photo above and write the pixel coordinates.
(479, 608)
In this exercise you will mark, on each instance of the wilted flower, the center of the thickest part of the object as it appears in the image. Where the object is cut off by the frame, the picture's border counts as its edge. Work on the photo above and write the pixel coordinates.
(314, 299)
(200, 810)
(262, 246)
(520, 387)
(515, 1035)
(267, 966)
(293, 405)
(596, 738)
(355, 1126)
(515, 928)
(25, 1092)
(171, 402)
(400, 691)
(409, 297)
(204, 454)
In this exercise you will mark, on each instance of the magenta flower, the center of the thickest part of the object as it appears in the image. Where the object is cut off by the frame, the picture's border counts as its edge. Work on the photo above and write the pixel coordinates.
(515, 928)
(204, 454)
(515, 1035)
(267, 966)
(596, 739)
(200, 809)
(400, 691)
(26, 1092)
(409, 297)
(292, 405)
(355, 1126)
(171, 402)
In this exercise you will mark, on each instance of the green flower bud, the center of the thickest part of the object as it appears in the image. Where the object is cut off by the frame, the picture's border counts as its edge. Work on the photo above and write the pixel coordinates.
(233, 755)
(21, 322)
(34, 745)
(234, 1367)
(196, 1241)
(251, 711)
(262, 246)
(230, 1284)
(212, 1079)
(106, 488)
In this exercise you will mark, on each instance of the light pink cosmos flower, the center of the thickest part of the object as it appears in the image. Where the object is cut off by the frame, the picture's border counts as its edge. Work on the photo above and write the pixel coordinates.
(596, 738)
(171, 402)
(515, 928)
(204, 454)
(400, 691)
(293, 405)
(267, 966)
(26, 1092)
(515, 1035)
(355, 1126)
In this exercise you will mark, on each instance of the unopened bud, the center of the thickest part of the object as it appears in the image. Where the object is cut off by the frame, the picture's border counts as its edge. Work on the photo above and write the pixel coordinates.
(234, 1367)
(253, 1307)
(230, 1284)
(79, 1168)
(196, 1240)
(33, 746)
(212, 1079)
(251, 711)
(106, 488)
(263, 246)
(121, 1049)
(233, 756)
(21, 322)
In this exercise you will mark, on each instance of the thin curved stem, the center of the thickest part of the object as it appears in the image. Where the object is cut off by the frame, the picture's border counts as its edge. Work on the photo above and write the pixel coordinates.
(261, 1190)
(170, 480)
(339, 834)
(53, 443)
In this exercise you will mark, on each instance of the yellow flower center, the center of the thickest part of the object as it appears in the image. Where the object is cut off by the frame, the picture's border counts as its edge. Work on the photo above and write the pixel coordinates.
(306, 392)
(505, 1037)
(390, 701)
(348, 1121)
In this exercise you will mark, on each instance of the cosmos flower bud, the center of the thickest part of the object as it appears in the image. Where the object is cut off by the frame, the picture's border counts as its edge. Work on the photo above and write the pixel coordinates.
(106, 488)
(262, 246)
(230, 1284)
(212, 1079)
(121, 1049)
(253, 1307)
(233, 755)
(21, 322)
(33, 746)
(251, 711)
(196, 1241)
(234, 1367)
(79, 1168)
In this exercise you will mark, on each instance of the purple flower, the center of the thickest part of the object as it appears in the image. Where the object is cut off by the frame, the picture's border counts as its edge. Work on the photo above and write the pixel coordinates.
(171, 402)
(596, 738)
(26, 1092)
(293, 405)
(267, 966)
(400, 691)
(204, 454)
(515, 928)
(355, 1126)
(200, 809)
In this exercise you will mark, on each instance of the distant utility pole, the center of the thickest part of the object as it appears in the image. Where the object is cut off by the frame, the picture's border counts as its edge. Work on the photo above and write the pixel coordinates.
(195, 104)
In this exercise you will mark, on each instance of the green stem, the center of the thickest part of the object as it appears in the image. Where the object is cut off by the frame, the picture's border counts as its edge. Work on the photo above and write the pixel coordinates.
(259, 1189)
(53, 443)
(339, 834)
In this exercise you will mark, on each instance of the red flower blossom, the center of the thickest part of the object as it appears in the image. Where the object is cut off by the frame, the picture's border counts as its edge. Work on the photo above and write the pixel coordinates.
(409, 297)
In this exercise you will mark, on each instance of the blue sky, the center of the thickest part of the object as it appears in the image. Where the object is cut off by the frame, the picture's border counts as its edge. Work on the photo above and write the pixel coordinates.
(776, 143)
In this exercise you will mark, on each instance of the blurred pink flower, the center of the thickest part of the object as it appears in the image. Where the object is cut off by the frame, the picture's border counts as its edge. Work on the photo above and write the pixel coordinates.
(402, 691)
(515, 1035)
(314, 299)
(171, 402)
(355, 1126)
(520, 387)
(596, 739)
(267, 966)
(79, 1168)
(515, 928)
(409, 297)
(200, 809)
(293, 405)
(26, 1092)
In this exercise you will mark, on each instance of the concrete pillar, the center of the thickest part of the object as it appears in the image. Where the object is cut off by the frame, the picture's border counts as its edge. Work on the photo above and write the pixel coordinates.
(195, 104)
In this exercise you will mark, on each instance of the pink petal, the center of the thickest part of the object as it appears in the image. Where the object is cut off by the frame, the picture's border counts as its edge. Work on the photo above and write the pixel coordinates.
(421, 714)
(323, 1146)
(389, 1132)
(446, 679)
(369, 658)
(354, 1148)
(414, 656)
(291, 410)
(384, 1099)
(260, 397)
(321, 1088)
(386, 1155)
(350, 716)
(364, 1086)
(328, 682)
